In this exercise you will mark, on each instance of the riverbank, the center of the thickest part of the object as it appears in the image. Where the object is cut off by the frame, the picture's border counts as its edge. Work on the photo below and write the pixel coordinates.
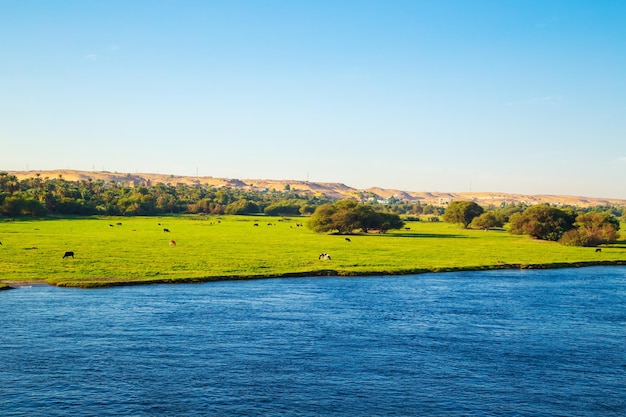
(7, 285)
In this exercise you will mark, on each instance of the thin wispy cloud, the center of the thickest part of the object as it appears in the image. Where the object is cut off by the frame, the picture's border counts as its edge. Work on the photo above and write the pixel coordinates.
(114, 48)
(622, 159)
(91, 57)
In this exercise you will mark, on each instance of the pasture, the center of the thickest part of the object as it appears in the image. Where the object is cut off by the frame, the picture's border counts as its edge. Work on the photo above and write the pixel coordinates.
(129, 250)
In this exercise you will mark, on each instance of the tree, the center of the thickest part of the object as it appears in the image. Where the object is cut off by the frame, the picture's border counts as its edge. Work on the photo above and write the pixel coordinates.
(242, 206)
(20, 205)
(487, 220)
(285, 208)
(389, 221)
(345, 216)
(592, 229)
(542, 222)
(338, 216)
(462, 212)
(307, 209)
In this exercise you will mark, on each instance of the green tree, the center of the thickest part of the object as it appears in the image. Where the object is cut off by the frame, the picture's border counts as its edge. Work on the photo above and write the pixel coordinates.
(286, 208)
(21, 205)
(487, 220)
(340, 216)
(462, 212)
(346, 216)
(542, 222)
(242, 206)
(389, 221)
(307, 209)
(592, 229)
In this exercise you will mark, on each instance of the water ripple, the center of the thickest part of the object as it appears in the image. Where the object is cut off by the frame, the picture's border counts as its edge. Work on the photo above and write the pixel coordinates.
(523, 343)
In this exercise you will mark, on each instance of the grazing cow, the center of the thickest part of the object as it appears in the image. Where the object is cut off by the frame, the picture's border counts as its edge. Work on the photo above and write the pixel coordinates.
(0, 243)
(348, 239)
(166, 230)
(256, 225)
(119, 224)
(598, 250)
(324, 256)
(172, 243)
(68, 254)
(407, 228)
(110, 225)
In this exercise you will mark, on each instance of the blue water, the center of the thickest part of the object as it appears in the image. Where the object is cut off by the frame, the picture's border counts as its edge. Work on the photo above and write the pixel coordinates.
(514, 343)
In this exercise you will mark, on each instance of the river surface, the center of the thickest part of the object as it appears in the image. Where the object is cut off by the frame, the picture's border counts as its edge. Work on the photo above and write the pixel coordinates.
(498, 343)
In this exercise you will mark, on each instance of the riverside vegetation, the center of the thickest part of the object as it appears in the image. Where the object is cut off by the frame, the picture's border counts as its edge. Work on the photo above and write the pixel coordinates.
(134, 250)
(216, 237)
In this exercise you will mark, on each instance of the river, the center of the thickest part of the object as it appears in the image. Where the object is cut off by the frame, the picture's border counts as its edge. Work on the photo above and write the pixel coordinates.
(510, 343)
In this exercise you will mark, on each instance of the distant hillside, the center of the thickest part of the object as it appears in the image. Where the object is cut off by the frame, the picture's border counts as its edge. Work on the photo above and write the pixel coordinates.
(334, 190)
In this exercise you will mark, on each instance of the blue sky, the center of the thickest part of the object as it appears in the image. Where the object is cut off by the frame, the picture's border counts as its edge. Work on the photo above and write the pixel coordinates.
(511, 96)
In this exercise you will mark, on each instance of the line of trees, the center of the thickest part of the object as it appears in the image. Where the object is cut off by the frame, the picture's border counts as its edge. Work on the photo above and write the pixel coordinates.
(37, 197)
(568, 226)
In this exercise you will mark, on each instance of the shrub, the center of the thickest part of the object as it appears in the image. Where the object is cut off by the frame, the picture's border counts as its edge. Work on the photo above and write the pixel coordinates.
(542, 222)
(573, 238)
(486, 220)
(242, 206)
(592, 229)
(462, 212)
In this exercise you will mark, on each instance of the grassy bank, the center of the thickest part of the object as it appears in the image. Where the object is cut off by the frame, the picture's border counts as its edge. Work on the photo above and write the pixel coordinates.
(232, 247)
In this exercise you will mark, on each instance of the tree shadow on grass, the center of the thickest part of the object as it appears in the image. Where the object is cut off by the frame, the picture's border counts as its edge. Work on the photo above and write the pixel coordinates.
(618, 244)
(419, 235)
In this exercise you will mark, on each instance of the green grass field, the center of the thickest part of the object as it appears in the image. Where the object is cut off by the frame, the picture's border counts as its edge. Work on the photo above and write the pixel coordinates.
(231, 247)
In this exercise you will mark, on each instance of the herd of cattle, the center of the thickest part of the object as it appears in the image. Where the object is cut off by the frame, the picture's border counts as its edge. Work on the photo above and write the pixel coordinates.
(172, 243)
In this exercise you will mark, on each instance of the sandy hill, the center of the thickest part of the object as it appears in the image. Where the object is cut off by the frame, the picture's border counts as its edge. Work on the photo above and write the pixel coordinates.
(334, 190)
